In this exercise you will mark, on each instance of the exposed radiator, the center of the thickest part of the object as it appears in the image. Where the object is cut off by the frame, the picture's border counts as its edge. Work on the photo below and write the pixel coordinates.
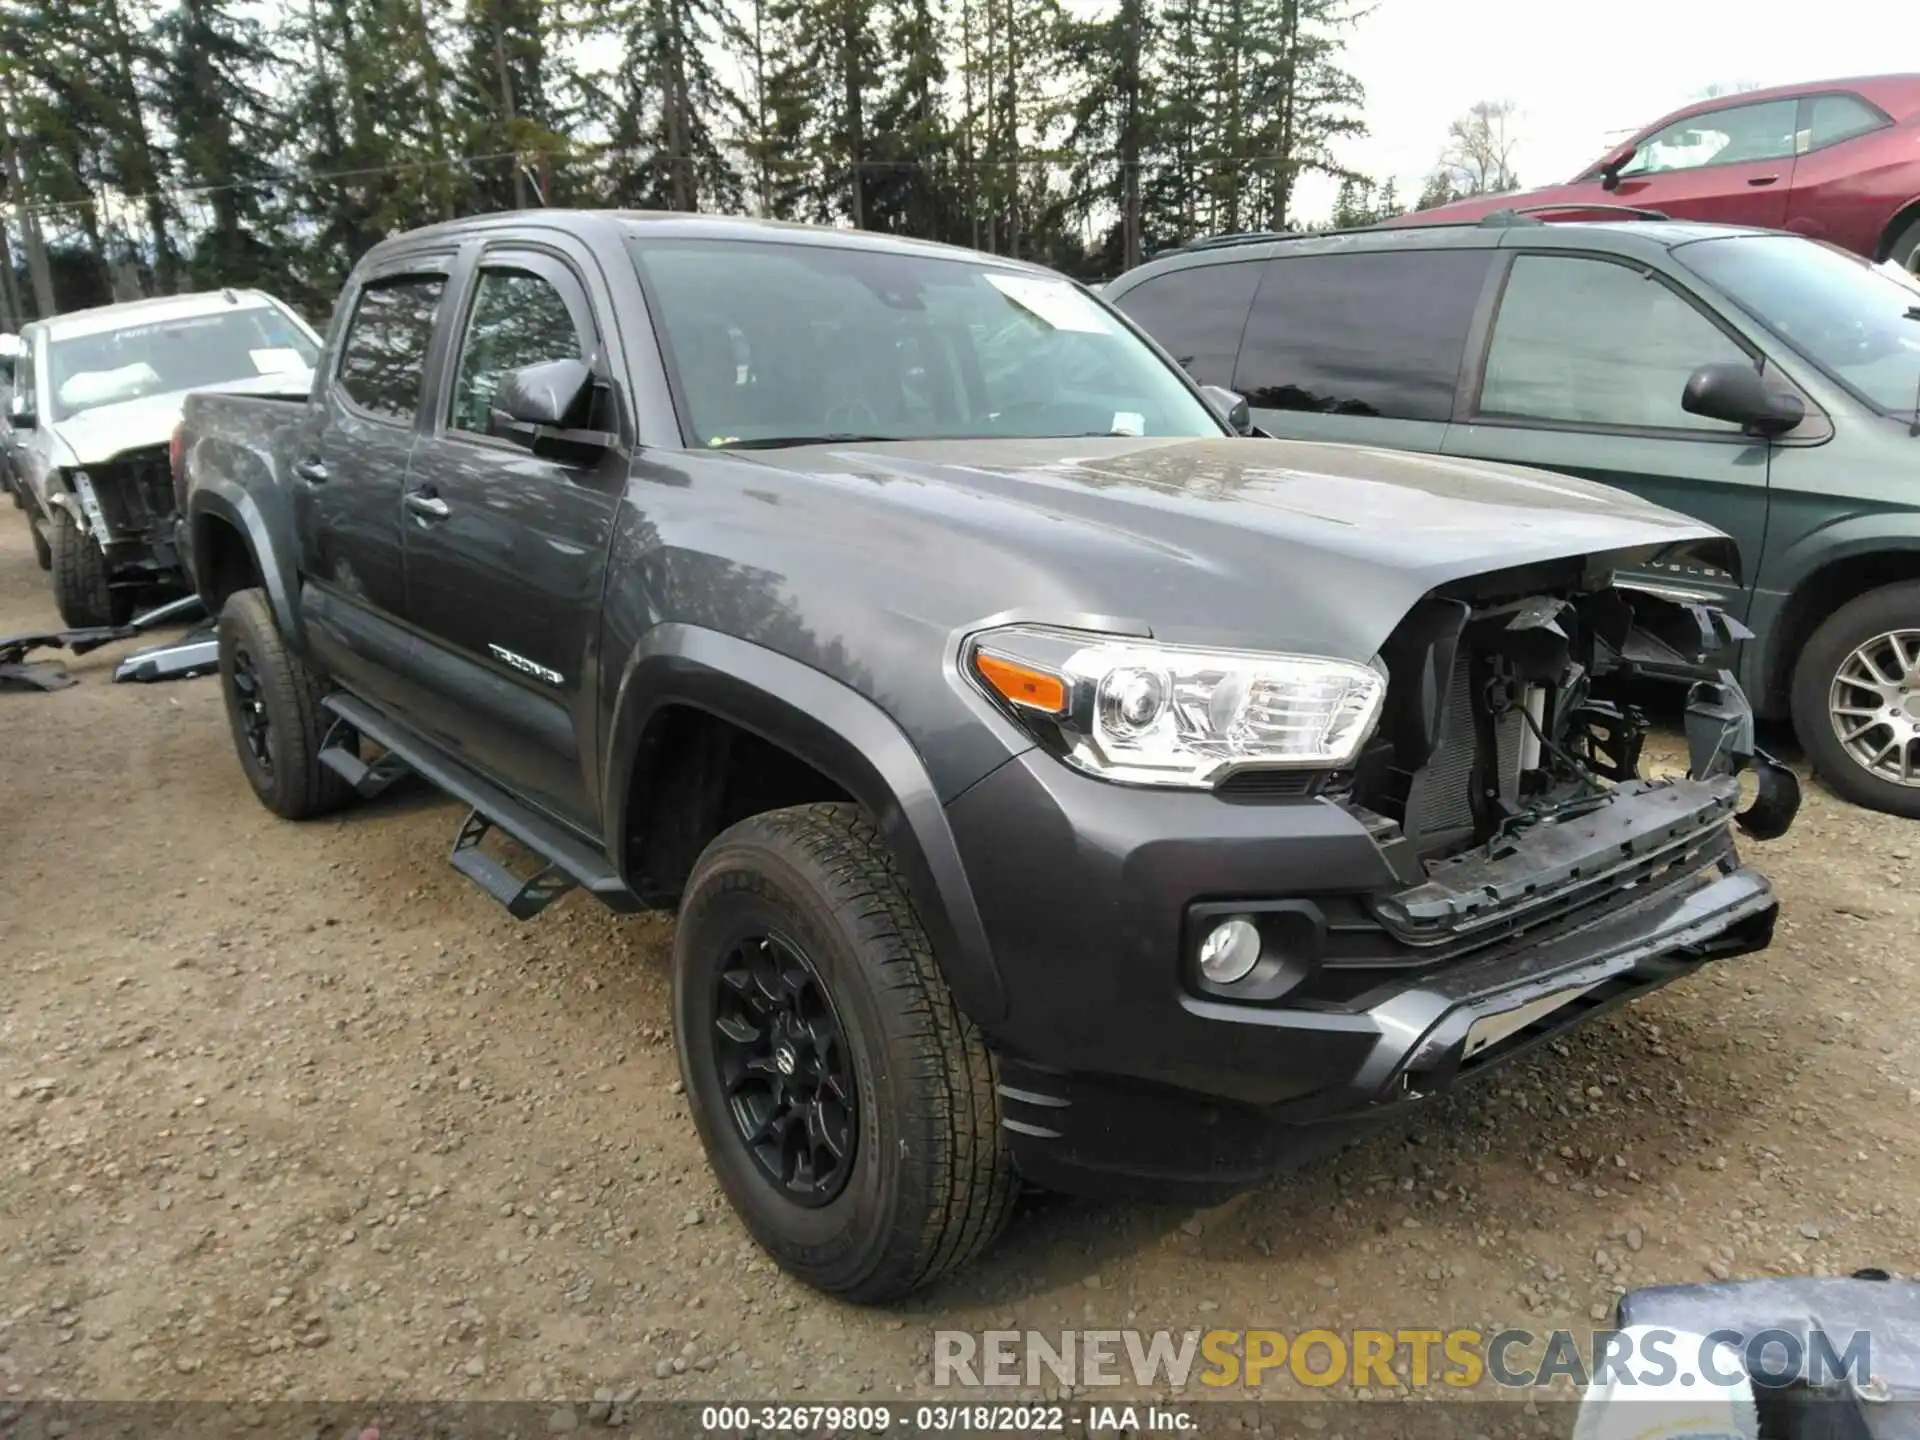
(1438, 801)
(135, 491)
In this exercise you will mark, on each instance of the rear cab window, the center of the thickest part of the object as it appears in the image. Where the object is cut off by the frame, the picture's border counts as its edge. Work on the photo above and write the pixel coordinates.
(1377, 334)
(383, 354)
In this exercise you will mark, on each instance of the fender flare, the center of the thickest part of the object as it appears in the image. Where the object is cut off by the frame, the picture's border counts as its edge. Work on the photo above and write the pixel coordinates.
(839, 732)
(1852, 538)
(235, 506)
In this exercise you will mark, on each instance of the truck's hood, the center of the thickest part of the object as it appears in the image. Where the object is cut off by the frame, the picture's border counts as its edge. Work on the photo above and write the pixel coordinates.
(95, 436)
(1319, 545)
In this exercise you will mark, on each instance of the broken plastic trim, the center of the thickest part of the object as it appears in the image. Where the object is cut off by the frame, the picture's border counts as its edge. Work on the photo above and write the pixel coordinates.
(15, 669)
(1720, 741)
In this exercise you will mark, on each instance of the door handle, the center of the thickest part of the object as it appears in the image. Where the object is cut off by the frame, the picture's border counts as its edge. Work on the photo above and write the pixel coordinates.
(312, 470)
(431, 506)
(1762, 179)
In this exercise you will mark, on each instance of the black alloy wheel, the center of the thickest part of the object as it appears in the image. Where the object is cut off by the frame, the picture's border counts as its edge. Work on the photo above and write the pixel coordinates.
(780, 1052)
(249, 704)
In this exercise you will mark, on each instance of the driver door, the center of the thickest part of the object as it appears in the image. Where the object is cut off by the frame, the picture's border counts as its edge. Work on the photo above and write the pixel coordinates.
(506, 550)
(1733, 166)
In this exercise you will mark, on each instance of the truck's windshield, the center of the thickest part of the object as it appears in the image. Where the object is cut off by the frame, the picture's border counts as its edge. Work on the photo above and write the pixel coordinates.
(781, 343)
(162, 357)
(1832, 307)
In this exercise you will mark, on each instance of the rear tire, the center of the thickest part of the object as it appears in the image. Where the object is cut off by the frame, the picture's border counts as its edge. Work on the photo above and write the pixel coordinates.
(1893, 610)
(42, 551)
(80, 587)
(273, 709)
(879, 1058)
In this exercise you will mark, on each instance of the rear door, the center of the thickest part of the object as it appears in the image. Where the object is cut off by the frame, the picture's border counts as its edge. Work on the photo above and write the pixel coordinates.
(1582, 371)
(1362, 347)
(1733, 166)
(349, 470)
(506, 550)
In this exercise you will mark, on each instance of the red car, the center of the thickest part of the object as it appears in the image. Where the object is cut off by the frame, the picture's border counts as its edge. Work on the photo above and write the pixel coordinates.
(1838, 160)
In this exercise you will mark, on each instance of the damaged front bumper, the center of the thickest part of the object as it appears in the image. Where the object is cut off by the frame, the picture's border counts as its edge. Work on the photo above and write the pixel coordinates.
(1395, 976)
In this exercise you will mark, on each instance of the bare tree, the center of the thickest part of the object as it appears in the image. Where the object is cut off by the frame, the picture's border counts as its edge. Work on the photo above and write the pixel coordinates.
(1725, 87)
(1478, 158)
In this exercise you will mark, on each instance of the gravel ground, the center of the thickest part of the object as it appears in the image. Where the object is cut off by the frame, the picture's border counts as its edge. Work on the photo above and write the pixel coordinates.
(294, 1112)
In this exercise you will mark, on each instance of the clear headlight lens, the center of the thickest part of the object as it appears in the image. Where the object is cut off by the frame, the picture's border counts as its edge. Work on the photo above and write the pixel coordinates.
(1153, 714)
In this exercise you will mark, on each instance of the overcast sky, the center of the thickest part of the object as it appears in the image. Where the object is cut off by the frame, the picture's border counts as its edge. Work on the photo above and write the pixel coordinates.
(1582, 74)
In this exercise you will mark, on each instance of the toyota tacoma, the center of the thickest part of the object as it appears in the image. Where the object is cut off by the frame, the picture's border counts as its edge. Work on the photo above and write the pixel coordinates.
(1052, 780)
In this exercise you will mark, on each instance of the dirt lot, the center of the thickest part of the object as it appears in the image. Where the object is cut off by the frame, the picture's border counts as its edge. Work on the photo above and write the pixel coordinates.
(295, 1112)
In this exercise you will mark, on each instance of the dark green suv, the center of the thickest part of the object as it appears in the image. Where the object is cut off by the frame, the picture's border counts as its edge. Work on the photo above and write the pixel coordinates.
(1763, 382)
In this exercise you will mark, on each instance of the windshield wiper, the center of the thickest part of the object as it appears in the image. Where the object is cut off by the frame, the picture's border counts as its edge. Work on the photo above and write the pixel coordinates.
(783, 442)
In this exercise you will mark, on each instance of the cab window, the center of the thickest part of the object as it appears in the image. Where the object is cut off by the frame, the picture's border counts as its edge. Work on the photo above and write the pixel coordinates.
(518, 319)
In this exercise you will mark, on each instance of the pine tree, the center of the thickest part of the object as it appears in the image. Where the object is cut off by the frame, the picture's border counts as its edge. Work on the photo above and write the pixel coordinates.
(913, 188)
(504, 111)
(818, 97)
(669, 107)
(1114, 123)
(210, 98)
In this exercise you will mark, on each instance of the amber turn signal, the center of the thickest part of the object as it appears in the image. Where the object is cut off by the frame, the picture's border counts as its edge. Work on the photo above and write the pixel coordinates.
(1022, 685)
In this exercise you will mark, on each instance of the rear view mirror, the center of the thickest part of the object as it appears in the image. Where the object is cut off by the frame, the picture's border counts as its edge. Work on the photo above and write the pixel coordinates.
(1231, 407)
(1611, 167)
(1727, 390)
(20, 413)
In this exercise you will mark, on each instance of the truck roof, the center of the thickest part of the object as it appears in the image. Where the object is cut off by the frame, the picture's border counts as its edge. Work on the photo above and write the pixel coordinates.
(615, 225)
(161, 308)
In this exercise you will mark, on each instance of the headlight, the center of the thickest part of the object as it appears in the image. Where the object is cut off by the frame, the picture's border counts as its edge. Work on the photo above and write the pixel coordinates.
(1153, 714)
(89, 502)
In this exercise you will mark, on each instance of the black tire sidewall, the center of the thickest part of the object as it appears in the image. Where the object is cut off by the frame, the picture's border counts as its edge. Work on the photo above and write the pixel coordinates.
(744, 888)
(1892, 608)
(1906, 248)
(293, 789)
(42, 551)
(78, 566)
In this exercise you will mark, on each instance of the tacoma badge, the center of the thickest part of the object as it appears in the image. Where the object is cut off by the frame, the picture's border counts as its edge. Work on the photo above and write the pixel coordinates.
(526, 666)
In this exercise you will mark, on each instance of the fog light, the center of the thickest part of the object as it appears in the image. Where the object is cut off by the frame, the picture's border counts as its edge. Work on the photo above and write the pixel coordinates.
(1230, 951)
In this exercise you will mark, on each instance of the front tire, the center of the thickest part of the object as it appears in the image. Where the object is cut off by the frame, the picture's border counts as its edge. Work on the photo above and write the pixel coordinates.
(805, 988)
(81, 589)
(1856, 700)
(273, 709)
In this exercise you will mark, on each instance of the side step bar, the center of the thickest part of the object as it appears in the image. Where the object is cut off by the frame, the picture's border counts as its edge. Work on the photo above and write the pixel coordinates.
(340, 753)
(524, 899)
(570, 861)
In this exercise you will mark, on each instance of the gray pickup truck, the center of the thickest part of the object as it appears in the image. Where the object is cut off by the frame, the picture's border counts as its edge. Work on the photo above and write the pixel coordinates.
(1052, 782)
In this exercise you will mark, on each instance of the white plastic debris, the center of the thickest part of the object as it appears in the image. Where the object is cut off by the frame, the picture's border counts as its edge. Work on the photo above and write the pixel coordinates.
(1697, 1402)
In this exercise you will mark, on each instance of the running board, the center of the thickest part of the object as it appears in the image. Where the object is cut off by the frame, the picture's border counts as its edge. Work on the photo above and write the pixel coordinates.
(569, 860)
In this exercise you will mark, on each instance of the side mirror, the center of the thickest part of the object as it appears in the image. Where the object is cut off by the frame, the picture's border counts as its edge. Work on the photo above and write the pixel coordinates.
(549, 395)
(20, 413)
(1232, 408)
(1727, 390)
(546, 407)
(1611, 167)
